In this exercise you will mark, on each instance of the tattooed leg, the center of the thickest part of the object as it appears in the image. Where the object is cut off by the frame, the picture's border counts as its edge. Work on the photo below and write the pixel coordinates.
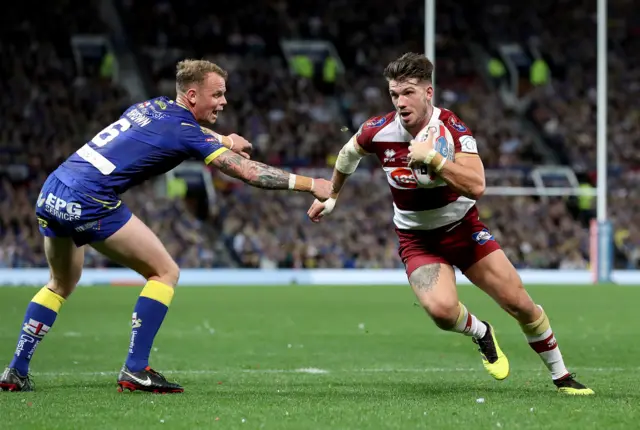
(435, 287)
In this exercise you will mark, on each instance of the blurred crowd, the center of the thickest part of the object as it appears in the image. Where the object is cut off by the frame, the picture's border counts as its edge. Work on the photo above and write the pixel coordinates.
(49, 110)
(297, 122)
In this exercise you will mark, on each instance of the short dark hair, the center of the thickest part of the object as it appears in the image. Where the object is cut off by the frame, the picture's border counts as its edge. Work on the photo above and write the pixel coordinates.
(194, 71)
(409, 66)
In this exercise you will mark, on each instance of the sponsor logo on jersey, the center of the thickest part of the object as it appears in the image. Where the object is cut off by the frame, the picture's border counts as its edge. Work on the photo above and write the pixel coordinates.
(442, 146)
(389, 155)
(403, 176)
(87, 226)
(483, 236)
(59, 208)
(375, 122)
(158, 115)
(457, 125)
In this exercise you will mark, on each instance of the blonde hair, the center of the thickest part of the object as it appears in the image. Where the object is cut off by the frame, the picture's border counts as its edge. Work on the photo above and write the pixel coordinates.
(190, 72)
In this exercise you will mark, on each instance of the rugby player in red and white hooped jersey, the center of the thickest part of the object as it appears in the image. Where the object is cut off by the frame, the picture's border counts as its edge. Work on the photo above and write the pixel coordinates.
(438, 225)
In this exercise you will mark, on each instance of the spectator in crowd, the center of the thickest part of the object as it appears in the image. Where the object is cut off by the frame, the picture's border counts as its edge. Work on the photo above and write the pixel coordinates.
(293, 122)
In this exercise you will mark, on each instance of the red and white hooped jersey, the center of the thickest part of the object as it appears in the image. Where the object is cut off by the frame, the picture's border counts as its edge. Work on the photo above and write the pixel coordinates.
(416, 207)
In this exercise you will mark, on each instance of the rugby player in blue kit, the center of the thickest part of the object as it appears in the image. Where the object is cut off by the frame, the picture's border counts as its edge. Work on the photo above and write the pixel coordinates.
(79, 205)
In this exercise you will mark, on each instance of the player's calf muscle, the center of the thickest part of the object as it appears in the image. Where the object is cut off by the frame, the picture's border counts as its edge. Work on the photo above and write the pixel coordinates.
(519, 304)
(497, 277)
(434, 286)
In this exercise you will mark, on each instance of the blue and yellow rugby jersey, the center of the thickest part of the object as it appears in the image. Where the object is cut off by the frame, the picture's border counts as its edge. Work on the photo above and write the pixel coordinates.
(149, 139)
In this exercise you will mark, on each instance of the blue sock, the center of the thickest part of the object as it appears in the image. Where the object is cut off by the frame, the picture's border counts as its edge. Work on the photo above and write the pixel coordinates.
(150, 310)
(40, 316)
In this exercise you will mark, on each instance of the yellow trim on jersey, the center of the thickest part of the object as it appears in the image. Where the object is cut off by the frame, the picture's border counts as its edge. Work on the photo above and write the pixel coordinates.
(466, 154)
(107, 205)
(186, 123)
(156, 290)
(43, 222)
(47, 298)
(215, 154)
(182, 106)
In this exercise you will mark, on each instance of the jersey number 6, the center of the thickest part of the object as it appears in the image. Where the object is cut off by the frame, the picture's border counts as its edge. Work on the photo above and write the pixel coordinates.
(109, 133)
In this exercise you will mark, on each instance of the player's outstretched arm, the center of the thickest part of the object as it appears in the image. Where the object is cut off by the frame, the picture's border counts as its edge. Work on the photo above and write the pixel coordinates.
(261, 175)
(348, 159)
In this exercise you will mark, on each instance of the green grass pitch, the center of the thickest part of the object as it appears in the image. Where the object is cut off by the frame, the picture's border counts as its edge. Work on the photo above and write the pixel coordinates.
(295, 357)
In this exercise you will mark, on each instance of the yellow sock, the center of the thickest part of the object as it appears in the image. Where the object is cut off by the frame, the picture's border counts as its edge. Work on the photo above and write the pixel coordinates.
(47, 298)
(40, 316)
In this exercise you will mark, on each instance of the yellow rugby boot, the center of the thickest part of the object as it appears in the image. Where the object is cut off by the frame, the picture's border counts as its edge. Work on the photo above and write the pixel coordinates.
(567, 385)
(493, 359)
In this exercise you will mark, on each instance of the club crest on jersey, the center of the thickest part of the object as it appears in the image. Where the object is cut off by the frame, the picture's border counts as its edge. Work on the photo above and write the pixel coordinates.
(458, 126)
(483, 236)
(376, 122)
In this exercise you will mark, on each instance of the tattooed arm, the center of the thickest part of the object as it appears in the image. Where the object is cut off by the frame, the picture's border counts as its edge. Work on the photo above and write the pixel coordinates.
(263, 176)
(253, 172)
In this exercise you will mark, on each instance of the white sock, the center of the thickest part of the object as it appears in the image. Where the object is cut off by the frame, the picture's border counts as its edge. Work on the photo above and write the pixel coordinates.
(469, 325)
(541, 340)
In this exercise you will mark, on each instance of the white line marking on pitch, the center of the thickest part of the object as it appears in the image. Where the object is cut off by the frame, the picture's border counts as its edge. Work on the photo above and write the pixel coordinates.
(318, 371)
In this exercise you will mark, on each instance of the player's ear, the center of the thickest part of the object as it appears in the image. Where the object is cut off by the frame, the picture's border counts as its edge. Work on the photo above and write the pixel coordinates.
(191, 95)
(429, 91)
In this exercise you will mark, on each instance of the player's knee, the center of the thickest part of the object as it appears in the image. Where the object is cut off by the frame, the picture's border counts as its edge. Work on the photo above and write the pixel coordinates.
(444, 314)
(63, 284)
(169, 274)
(173, 272)
(63, 288)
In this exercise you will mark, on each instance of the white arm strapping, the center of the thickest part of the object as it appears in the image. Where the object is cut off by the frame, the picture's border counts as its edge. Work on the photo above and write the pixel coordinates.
(348, 158)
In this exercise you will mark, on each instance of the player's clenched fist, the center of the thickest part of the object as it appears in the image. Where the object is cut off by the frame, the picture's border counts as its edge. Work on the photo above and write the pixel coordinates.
(321, 189)
(240, 145)
(319, 209)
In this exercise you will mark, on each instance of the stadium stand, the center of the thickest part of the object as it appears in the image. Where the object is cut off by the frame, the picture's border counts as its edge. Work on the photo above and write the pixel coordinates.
(297, 122)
